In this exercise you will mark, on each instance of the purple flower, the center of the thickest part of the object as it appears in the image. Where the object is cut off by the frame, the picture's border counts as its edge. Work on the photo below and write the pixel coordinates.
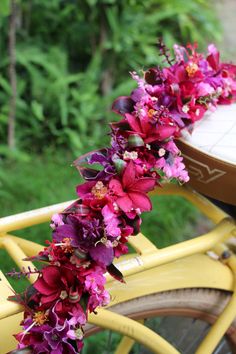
(82, 232)
(102, 253)
(56, 336)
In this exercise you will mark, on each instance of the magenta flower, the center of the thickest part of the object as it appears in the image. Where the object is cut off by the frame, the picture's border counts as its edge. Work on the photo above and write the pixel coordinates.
(111, 221)
(149, 132)
(52, 282)
(131, 191)
(94, 281)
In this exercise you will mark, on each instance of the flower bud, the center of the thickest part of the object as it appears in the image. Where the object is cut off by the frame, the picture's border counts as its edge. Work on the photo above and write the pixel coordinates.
(135, 140)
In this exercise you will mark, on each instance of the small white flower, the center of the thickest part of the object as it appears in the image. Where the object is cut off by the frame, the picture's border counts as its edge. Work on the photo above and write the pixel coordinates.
(161, 152)
(133, 155)
(185, 108)
(115, 206)
(154, 99)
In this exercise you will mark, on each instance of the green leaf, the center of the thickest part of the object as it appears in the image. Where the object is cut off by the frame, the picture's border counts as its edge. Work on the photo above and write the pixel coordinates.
(5, 84)
(4, 7)
(92, 2)
(37, 109)
(74, 139)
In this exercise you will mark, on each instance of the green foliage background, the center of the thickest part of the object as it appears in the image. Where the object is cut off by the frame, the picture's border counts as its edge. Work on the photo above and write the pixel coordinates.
(73, 59)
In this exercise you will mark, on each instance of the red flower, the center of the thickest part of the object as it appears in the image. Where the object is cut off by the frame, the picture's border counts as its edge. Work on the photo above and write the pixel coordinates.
(131, 191)
(149, 132)
(52, 281)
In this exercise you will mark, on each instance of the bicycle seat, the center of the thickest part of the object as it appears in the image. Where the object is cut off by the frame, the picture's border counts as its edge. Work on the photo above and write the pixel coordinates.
(210, 154)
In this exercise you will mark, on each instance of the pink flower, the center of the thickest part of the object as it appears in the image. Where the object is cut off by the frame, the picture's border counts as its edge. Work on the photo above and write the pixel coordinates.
(149, 132)
(96, 300)
(171, 147)
(173, 168)
(214, 57)
(57, 220)
(130, 191)
(204, 89)
(111, 221)
(94, 281)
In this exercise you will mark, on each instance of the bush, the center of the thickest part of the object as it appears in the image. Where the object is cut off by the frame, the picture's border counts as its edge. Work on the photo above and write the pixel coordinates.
(73, 59)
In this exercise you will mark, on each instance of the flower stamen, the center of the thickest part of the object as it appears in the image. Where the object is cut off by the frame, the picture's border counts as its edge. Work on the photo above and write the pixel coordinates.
(99, 190)
(40, 318)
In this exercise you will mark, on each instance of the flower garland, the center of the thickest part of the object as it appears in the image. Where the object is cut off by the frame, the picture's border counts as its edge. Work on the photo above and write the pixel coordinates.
(90, 233)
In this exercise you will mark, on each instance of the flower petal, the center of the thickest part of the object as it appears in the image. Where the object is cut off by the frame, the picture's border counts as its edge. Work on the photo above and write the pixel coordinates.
(125, 203)
(116, 187)
(123, 104)
(50, 298)
(133, 122)
(102, 254)
(141, 201)
(64, 231)
(128, 177)
(51, 275)
(85, 188)
(43, 287)
(144, 184)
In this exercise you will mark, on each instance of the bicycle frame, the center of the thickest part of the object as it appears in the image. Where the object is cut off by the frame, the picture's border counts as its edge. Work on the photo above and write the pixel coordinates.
(153, 269)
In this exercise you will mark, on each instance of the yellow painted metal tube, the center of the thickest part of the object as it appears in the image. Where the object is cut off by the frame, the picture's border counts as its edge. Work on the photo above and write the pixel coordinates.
(126, 343)
(17, 255)
(203, 204)
(28, 247)
(224, 230)
(133, 329)
(141, 244)
(125, 346)
(8, 308)
(29, 218)
(224, 320)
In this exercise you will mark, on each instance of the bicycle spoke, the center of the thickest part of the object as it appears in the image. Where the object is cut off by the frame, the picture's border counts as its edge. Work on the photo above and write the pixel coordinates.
(197, 337)
(108, 344)
(185, 334)
(190, 332)
(223, 345)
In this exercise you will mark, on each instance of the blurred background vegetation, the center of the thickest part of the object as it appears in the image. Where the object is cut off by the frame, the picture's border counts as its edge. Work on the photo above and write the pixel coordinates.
(73, 58)
(62, 64)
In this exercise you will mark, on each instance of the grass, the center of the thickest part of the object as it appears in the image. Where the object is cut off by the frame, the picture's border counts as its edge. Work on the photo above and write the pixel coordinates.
(50, 179)
(42, 181)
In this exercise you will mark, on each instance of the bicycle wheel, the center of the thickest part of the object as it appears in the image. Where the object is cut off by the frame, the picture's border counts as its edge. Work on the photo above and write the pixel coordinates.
(183, 317)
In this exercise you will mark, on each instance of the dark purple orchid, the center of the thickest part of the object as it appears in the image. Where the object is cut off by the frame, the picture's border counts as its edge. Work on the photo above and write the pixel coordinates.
(82, 232)
(85, 235)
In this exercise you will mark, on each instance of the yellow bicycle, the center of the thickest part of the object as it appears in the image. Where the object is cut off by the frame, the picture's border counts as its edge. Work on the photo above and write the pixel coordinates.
(178, 299)
(179, 280)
